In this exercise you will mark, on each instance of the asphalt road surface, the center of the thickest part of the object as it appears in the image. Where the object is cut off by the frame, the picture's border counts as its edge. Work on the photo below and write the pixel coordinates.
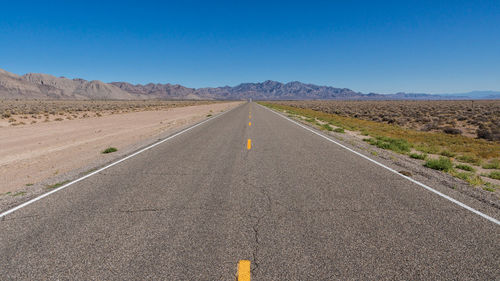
(293, 204)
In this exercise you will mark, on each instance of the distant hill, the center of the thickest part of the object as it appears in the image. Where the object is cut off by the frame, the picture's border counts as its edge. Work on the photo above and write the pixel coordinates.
(45, 86)
(272, 90)
(159, 91)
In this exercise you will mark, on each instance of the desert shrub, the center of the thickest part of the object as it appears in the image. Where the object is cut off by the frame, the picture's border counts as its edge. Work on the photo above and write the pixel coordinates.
(492, 164)
(326, 127)
(491, 133)
(364, 132)
(452, 131)
(463, 175)
(56, 185)
(489, 188)
(494, 175)
(484, 133)
(431, 149)
(420, 156)
(109, 150)
(447, 153)
(430, 127)
(339, 130)
(469, 159)
(474, 180)
(465, 167)
(442, 164)
(398, 145)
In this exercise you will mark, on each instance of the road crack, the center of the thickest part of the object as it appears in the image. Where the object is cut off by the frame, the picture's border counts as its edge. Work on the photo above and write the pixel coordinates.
(257, 238)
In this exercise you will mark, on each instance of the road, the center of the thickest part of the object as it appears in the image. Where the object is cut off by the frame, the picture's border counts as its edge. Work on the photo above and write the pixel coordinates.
(295, 205)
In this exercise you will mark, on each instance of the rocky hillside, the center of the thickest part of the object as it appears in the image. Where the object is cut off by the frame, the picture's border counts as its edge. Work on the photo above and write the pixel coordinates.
(44, 86)
(159, 91)
(272, 90)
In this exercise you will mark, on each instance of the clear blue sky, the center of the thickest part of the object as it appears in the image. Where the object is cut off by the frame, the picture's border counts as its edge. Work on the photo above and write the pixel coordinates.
(369, 46)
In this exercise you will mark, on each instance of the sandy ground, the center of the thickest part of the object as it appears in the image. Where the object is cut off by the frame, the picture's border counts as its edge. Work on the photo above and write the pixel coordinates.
(31, 154)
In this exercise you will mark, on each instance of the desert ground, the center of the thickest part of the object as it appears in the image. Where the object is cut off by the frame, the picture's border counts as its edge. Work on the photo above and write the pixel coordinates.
(56, 137)
(24, 112)
(479, 118)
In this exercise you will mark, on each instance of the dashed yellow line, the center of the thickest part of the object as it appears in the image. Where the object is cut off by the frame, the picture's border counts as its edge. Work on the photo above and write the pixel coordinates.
(249, 123)
(249, 144)
(244, 270)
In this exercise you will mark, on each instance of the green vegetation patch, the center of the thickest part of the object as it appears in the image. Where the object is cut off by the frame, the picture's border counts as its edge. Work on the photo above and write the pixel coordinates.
(492, 164)
(441, 164)
(429, 149)
(463, 175)
(109, 150)
(398, 145)
(421, 156)
(471, 178)
(490, 187)
(494, 175)
(469, 159)
(339, 130)
(56, 185)
(465, 167)
(447, 153)
(326, 127)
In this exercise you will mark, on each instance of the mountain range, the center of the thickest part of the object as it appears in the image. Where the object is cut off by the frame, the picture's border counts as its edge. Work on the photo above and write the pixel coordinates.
(45, 86)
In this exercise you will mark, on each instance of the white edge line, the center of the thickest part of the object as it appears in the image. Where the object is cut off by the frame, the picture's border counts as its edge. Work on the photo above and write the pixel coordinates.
(493, 220)
(110, 165)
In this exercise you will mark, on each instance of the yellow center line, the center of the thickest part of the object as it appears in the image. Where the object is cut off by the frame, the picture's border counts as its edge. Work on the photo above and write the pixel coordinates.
(249, 144)
(249, 123)
(244, 270)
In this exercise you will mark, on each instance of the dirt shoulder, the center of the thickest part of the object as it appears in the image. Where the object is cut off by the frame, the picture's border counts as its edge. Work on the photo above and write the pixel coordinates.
(39, 155)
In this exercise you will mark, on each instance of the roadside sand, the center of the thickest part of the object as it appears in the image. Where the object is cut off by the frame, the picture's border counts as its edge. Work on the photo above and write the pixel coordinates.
(30, 154)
